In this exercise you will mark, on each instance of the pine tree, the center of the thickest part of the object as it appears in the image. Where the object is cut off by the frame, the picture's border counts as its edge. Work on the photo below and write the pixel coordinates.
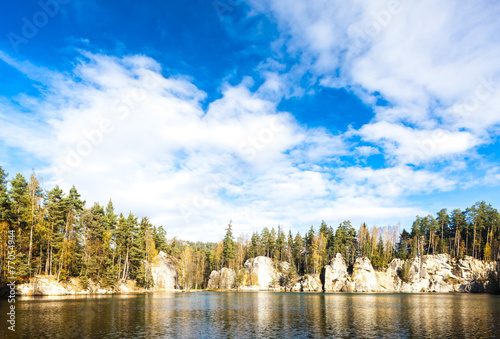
(443, 220)
(5, 219)
(36, 216)
(73, 211)
(298, 251)
(56, 216)
(110, 243)
(229, 247)
(20, 217)
(280, 243)
(160, 239)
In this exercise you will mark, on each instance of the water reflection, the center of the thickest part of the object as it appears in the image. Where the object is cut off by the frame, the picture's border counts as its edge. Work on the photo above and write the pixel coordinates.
(256, 314)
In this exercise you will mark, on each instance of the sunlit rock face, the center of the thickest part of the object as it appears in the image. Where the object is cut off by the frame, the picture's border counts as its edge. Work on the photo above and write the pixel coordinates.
(165, 276)
(223, 279)
(48, 285)
(261, 272)
(389, 280)
(428, 273)
(364, 277)
(335, 275)
(43, 285)
(311, 283)
(213, 281)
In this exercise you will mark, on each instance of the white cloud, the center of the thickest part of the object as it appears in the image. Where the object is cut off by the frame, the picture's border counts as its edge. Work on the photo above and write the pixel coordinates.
(115, 127)
(145, 142)
(416, 146)
(436, 63)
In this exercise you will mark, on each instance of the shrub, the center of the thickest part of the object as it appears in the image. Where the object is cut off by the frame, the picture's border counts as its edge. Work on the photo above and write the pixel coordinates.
(378, 262)
(84, 281)
(404, 272)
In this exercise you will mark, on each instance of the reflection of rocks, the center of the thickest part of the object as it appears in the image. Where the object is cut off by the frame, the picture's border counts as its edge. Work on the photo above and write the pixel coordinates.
(223, 279)
(429, 273)
(164, 273)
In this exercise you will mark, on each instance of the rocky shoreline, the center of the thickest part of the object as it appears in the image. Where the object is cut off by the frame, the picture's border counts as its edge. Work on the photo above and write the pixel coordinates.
(428, 273)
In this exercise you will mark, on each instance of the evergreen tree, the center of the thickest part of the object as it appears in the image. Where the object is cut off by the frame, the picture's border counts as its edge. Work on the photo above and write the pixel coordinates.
(160, 239)
(229, 247)
(345, 241)
(5, 219)
(280, 244)
(56, 206)
(443, 221)
(298, 252)
(20, 217)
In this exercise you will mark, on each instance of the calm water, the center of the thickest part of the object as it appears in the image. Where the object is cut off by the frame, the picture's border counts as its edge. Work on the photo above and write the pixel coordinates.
(255, 314)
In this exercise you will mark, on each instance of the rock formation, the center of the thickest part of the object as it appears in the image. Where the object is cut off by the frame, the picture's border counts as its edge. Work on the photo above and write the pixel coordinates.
(262, 273)
(162, 268)
(429, 273)
(363, 276)
(48, 285)
(335, 275)
(165, 276)
(311, 283)
(223, 279)
(43, 285)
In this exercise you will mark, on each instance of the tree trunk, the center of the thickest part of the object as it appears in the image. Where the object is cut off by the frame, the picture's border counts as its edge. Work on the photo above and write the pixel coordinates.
(474, 242)
(442, 236)
(119, 266)
(50, 261)
(125, 266)
(467, 239)
(31, 230)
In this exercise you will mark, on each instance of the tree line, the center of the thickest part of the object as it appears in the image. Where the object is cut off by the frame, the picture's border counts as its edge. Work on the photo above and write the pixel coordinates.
(56, 234)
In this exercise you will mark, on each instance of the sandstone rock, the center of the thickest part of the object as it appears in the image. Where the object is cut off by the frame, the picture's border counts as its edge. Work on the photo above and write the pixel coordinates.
(213, 280)
(164, 273)
(349, 287)
(296, 288)
(311, 283)
(42, 285)
(262, 272)
(364, 276)
(334, 275)
(223, 280)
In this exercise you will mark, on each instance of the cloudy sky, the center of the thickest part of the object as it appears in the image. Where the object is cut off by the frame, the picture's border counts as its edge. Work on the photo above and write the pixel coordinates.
(264, 112)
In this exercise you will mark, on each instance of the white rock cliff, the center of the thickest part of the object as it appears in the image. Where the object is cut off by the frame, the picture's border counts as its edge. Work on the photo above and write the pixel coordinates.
(429, 273)
(165, 276)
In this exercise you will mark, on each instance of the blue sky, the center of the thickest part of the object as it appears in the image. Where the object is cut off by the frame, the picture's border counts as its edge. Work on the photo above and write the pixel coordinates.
(262, 112)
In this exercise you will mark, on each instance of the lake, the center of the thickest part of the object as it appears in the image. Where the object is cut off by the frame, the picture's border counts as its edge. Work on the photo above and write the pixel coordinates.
(255, 314)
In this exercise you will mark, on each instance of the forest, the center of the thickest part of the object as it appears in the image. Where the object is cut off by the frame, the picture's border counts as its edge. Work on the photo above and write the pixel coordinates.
(56, 234)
